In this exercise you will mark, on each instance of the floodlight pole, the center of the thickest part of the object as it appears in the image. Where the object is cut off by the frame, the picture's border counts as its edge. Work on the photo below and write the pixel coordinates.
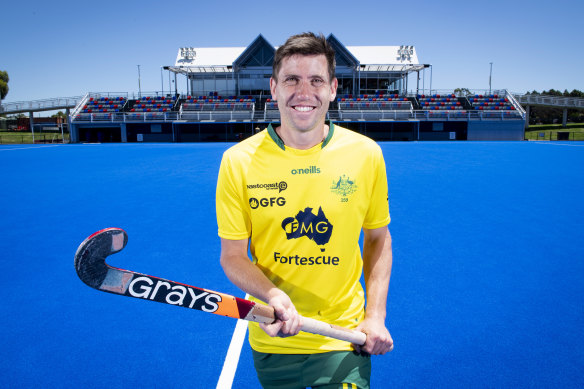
(169, 86)
(431, 68)
(139, 87)
(161, 82)
(490, 76)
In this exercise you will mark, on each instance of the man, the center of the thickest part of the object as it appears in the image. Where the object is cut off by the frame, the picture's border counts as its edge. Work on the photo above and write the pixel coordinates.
(299, 193)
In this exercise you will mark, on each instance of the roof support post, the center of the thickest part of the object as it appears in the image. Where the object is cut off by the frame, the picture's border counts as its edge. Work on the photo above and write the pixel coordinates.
(124, 133)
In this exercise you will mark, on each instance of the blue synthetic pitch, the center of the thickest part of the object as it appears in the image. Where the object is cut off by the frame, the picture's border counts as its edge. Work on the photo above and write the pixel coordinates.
(486, 289)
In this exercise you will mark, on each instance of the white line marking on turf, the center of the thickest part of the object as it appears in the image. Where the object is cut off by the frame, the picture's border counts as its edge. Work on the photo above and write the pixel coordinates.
(26, 148)
(232, 358)
(559, 144)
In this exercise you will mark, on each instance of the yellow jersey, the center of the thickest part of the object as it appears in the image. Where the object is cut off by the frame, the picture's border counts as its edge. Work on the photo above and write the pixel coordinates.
(303, 211)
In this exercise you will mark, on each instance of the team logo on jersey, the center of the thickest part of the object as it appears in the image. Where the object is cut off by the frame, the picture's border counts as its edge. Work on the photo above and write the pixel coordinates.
(279, 186)
(306, 224)
(344, 186)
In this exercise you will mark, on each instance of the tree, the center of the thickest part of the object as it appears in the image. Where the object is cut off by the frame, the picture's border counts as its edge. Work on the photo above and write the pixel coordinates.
(59, 114)
(549, 115)
(3, 84)
(462, 92)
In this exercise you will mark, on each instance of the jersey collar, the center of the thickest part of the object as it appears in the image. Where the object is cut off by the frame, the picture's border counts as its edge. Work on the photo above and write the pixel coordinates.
(276, 138)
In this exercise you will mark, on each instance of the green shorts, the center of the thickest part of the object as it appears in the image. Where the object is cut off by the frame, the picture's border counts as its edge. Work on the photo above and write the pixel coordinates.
(335, 369)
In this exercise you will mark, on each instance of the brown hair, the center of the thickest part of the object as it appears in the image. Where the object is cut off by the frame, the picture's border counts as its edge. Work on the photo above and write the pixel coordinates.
(305, 44)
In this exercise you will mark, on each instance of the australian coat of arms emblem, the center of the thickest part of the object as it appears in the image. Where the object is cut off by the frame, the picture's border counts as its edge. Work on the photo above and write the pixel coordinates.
(344, 186)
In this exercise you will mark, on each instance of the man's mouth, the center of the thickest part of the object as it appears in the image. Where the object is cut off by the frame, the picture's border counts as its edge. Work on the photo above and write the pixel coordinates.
(303, 108)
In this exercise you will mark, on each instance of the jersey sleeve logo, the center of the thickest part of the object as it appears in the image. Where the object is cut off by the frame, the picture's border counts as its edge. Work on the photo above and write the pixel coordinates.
(344, 186)
(306, 224)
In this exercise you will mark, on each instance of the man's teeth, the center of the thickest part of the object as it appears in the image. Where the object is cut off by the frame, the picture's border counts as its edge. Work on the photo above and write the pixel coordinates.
(303, 109)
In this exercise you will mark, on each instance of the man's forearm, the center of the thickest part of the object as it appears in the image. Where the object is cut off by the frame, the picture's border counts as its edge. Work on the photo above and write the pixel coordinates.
(377, 262)
(244, 273)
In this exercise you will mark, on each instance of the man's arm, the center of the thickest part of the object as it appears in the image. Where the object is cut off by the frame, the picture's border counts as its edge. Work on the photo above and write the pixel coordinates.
(249, 278)
(377, 261)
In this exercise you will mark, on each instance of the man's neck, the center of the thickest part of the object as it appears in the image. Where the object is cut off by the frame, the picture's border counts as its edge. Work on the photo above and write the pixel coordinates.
(302, 140)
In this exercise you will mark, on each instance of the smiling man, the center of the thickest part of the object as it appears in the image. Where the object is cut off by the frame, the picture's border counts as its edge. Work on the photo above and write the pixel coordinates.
(298, 195)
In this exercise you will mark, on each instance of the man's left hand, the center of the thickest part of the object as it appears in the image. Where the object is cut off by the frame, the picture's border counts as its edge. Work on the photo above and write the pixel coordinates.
(378, 340)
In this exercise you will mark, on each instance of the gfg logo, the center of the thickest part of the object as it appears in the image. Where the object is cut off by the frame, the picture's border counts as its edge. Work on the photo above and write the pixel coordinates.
(266, 202)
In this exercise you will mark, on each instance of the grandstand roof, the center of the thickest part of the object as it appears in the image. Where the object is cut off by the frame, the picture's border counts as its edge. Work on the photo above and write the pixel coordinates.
(208, 56)
(377, 55)
(222, 59)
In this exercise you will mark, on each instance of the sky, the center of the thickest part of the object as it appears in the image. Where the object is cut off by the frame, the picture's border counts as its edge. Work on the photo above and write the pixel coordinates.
(65, 48)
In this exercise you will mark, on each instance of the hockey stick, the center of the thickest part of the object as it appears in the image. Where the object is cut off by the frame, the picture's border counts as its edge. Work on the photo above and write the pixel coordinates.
(95, 272)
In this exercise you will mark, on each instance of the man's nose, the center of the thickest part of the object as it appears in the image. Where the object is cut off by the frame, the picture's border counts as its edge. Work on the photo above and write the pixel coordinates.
(303, 88)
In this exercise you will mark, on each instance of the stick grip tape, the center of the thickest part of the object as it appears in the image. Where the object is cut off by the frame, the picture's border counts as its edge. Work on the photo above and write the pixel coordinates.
(321, 328)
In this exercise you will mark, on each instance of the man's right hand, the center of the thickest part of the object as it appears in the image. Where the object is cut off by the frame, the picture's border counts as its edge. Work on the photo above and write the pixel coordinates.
(288, 320)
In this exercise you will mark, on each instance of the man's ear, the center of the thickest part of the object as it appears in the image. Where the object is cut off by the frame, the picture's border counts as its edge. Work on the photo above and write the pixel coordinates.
(273, 88)
(334, 86)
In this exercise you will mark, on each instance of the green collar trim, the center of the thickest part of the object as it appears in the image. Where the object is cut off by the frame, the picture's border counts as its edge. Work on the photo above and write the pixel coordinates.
(277, 140)
(275, 137)
(329, 135)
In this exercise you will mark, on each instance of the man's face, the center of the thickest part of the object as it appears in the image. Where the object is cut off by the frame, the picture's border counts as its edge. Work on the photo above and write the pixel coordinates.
(303, 92)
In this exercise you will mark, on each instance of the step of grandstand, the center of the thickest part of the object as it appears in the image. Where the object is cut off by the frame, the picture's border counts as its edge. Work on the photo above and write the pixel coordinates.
(104, 104)
(378, 101)
(218, 103)
(271, 111)
(215, 107)
(490, 103)
(441, 102)
(101, 108)
(153, 104)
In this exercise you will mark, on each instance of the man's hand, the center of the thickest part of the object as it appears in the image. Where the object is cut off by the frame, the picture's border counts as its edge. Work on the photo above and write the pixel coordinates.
(288, 321)
(378, 340)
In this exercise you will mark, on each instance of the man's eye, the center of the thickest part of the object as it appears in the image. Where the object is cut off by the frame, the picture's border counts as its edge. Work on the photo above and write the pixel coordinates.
(291, 80)
(317, 82)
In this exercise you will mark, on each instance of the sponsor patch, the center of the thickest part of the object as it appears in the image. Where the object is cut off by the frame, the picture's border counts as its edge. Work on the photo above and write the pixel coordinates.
(255, 203)
(306, 224)
(279, 186)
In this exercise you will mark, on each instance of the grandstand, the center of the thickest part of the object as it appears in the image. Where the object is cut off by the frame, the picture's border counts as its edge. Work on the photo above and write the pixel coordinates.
(228, 98)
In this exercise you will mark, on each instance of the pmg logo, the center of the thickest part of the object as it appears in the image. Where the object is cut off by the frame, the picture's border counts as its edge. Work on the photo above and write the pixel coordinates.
(306, 224)
(266, 202)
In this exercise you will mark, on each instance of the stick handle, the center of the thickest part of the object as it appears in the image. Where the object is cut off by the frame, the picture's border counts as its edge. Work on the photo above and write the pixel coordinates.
(321, 328)
(265, 314)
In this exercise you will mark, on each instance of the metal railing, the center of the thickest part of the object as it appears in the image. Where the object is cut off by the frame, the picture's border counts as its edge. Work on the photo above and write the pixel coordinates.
(460, 93)
(39, 105)
(79, 105)
(467, 115)
(370, 115)
(122, 117)
(233, 111)
(374, 114)
(550, 101)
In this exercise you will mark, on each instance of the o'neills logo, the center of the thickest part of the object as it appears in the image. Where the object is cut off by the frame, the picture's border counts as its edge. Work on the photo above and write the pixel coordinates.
(310, 170)
(279, 186)
(172, 293)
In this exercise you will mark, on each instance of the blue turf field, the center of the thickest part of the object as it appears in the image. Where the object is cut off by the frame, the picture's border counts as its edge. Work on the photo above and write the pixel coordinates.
(486, 289)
